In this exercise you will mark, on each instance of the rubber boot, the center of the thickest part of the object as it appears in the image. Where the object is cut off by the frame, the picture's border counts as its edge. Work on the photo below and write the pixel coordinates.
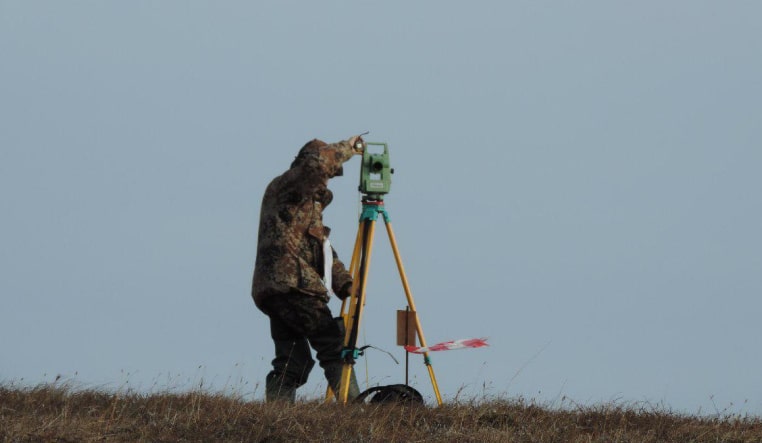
(333, 375)
(277, 390)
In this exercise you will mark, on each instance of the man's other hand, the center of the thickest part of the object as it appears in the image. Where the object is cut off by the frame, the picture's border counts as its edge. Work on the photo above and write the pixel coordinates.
(345, 291)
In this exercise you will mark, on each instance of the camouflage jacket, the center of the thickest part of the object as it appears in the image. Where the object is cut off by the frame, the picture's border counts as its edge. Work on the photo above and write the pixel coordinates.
(291, 230)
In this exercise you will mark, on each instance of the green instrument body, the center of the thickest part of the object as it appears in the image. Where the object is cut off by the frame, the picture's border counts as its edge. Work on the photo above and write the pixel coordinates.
(376, 171)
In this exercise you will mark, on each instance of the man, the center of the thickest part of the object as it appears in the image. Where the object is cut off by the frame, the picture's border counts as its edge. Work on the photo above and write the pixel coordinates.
(296, 270)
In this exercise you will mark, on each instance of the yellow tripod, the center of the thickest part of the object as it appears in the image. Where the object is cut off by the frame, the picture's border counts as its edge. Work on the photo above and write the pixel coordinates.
(359, 267)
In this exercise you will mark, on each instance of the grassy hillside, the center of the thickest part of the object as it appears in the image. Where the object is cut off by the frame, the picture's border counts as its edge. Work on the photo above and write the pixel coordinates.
(59, 414)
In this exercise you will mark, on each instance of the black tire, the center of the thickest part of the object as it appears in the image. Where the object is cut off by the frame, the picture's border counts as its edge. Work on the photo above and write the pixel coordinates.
(403, 394)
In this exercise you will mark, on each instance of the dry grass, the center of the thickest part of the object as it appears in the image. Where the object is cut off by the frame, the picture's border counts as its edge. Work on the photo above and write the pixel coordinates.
(54, 413)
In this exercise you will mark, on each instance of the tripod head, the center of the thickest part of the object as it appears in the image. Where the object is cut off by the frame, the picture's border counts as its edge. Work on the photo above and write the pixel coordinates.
(375, 171)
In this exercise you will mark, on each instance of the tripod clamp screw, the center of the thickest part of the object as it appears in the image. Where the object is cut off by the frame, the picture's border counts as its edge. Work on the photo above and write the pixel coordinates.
(350, 354)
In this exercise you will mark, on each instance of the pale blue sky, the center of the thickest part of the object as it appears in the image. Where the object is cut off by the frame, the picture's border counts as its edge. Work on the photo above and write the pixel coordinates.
(577, 181)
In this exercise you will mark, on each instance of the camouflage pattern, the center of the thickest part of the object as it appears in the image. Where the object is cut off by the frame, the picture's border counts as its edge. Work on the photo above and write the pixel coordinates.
(304, 315)
(288, 275)
(291, 231)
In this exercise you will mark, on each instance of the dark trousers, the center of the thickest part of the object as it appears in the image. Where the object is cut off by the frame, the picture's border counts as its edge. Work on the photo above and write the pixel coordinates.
(299, 322)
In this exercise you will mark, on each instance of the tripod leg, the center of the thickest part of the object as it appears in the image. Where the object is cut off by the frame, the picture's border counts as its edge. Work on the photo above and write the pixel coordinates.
(356, 306)
(345, 304)
(353, 267)
(411, 304)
